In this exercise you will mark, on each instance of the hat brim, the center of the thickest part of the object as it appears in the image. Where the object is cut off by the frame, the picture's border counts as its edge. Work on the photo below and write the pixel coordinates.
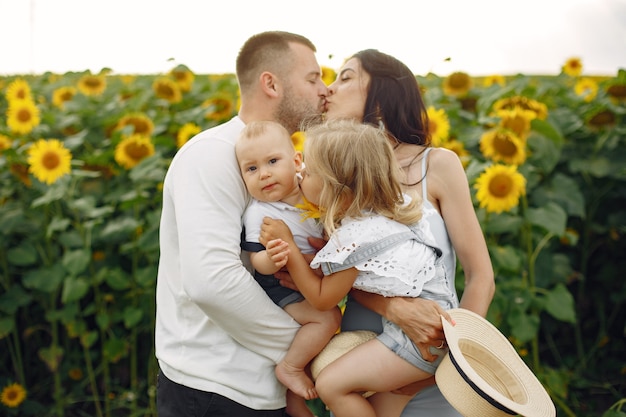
(482, 375)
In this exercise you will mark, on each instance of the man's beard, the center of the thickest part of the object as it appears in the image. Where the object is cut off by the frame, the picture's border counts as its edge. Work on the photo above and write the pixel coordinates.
(296, 115)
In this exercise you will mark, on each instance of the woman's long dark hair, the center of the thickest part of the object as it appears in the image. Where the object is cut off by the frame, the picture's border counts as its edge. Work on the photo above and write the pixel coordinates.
(394, 98)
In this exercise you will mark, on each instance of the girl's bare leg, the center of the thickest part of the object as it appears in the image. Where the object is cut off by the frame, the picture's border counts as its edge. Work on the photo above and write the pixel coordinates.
(368, 367)
(296, 406)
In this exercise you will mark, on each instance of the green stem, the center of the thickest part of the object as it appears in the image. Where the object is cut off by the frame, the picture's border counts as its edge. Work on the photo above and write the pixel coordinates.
(58, 388)
(561, 404)
(92, 380)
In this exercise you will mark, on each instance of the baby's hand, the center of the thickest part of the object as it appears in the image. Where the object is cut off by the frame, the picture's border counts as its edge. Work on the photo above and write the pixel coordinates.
(278, 252)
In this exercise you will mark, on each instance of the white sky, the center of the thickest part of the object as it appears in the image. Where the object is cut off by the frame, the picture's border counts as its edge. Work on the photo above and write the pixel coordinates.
(480, 37)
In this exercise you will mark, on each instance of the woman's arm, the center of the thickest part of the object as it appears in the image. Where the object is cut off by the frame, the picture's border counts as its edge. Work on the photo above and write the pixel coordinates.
(448, 184)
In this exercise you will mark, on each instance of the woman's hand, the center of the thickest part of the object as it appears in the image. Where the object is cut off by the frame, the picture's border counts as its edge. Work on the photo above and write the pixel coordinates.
(418, 317)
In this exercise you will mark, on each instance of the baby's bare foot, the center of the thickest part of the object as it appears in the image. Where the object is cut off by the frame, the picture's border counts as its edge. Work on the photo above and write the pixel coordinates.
(296, 380)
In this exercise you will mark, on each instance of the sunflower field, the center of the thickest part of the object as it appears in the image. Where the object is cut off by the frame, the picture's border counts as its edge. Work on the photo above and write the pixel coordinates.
(83, 157)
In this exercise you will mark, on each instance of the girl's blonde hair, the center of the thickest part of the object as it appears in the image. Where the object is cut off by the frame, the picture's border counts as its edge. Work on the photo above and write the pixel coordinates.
(359, 173)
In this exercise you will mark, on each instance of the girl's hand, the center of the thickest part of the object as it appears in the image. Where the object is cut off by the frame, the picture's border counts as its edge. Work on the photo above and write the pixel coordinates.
(278, 251)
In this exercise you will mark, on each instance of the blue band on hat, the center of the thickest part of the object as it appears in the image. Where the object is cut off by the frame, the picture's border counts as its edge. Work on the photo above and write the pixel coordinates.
(478, 391)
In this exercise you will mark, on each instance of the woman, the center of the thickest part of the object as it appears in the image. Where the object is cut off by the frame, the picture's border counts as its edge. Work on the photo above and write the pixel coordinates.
(378, 89)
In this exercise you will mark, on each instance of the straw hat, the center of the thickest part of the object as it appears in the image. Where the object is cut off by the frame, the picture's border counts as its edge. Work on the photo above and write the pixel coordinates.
(341, 343)
(483, 375)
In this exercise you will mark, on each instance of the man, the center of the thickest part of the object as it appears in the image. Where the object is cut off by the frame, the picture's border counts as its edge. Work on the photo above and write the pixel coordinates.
(218, 335)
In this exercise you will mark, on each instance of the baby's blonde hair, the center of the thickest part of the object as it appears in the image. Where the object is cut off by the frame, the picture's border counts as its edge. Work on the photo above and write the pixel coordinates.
(253, 130)
(359, 173)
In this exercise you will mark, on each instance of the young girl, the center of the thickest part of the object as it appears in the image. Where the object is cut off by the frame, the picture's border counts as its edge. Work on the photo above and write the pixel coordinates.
(352, 175)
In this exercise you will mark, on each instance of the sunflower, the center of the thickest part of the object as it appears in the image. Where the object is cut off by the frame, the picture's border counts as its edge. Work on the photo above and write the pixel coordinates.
(22, 116)
(517, 119)
(457, 84)
(184, 77)
(62, 95)
(186, 132)
(573, 67)
(132, 150)
(503, 145)
(13, 395)
(92, 85)
(49, 160)
(617, 92)
(499, 188)
(525, 103)
(219, 107)
(438, 125)
(18, 90)
(298, 140)
(141, 124)
(328, 75)
(167, 89)
(309, 210)
(602, 118)
(586, 88)
(5, 143)
(490, 80)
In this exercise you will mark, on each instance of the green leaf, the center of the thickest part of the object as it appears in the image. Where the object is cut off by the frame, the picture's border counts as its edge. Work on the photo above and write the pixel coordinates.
(57, 224)
(88, 339)
(524, 327)
(6, 327)
(118, 229)
(560, 304)
(505, 257)
(563, 191)
(76, 261)
(54, 193)
(595, 166)
(45, 279)
(545, 153)
(10, 220)
(74, 289)
(118, 279)
(13, 299)
(52, 357)
(115, 349)
(132, 316)
(551, 217)
(23, 255)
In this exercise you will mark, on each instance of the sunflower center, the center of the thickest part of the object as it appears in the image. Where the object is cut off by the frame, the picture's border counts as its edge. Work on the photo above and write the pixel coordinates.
(504, 145)
(24, 116)
(459, 80)
(432, 125)
(136, 151)
(500, 186)
(50, 160)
